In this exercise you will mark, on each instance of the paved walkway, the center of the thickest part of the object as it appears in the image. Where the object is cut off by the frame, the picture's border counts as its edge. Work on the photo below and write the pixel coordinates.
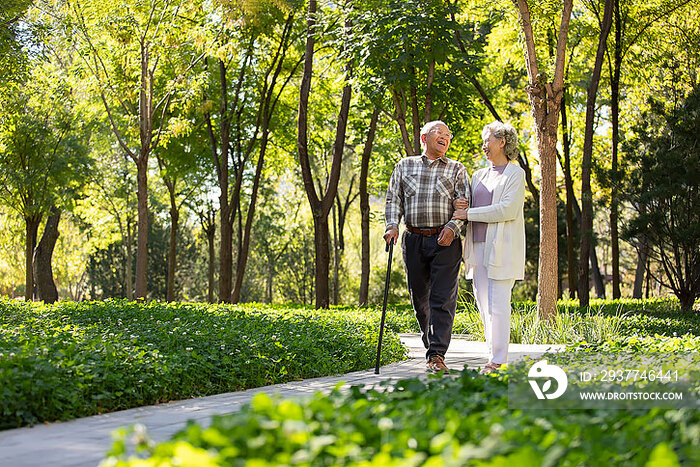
(84, 442)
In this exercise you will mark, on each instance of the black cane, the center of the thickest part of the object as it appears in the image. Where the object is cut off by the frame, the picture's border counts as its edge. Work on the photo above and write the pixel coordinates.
(390, 249)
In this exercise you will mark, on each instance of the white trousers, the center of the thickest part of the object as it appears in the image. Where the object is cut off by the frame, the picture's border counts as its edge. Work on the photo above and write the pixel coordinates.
(493, 299)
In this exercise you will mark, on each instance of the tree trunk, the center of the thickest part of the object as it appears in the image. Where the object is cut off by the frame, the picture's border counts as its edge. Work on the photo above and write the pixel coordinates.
(146, 117)
(615, 112)
(220, 155)
(43, 254)
(210, 275)
(570, 226)
(172, 246)
(268, 284)
(400, 118)
(336, 259)
(322, 249)
(560, 288)
(142, 235)
(598, 279)
(342, 208)
(320, 207)
(266, 109)
(415, 117)
(545, 100)
(648, 281)
(221, 159)
(586, 194)
(220, 151)
(593, 255)
(364, 208)
(129, 273)
(642, 256)
(687, 300)
(208, 222)
(548, 261)
(245, 244)
(615, 243)
(225, 252)
(31, 224)
(522, 161)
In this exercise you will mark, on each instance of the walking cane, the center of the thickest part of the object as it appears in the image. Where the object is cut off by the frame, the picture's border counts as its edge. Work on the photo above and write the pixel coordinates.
(390, 249)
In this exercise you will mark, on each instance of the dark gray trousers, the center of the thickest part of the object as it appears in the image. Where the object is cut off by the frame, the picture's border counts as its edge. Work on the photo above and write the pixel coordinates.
(432, 272)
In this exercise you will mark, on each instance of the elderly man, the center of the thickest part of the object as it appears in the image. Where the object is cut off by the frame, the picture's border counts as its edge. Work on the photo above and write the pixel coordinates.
(422, 190)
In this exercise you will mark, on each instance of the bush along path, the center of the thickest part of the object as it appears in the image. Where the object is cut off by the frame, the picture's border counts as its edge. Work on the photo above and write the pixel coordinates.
(69, 360)
(434, 421)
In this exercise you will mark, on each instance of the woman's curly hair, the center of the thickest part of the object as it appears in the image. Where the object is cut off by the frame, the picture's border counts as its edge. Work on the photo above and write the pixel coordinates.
(503, 130)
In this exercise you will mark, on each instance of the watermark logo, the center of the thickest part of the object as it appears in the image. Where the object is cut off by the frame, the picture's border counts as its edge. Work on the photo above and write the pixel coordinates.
(606, 380)
(542, 370)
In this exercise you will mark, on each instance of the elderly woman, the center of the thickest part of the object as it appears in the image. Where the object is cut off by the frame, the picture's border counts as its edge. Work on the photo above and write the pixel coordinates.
(494, 247)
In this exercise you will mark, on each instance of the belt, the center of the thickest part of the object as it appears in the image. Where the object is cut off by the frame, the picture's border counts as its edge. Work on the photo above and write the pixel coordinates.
(427, 231)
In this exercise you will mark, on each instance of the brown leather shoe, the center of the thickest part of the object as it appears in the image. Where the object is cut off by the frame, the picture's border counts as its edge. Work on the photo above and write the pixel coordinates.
(436, 364)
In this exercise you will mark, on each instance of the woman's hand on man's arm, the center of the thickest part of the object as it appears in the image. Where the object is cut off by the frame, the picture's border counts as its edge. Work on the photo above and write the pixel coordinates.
(461, 205)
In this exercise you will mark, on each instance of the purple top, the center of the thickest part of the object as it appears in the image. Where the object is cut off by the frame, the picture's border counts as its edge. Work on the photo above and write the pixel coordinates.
(483, 196)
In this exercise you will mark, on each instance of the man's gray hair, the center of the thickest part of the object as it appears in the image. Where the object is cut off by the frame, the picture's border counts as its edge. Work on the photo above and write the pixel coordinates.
(427, 128)
(503, 130)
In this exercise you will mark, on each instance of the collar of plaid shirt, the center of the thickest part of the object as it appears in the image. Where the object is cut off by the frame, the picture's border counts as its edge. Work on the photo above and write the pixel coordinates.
(428, 161)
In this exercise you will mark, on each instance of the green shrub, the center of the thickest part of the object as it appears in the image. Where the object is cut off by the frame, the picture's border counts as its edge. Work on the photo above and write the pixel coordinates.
(74, 359)
(443, 421)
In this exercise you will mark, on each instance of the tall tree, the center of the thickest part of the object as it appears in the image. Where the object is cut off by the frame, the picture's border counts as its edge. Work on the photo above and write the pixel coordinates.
(42, 153)
(140, 64)
(615, 116)
(664, 189)
(568, 180)
(630, 23)
(320, 204)
(364, 207)
(271, 91)
(545, 99)
(220, 151)
(109, 205)
(177, 164)
(43, 270)
(586, 194)
(203, 207)
(242, 66)
(208, 221)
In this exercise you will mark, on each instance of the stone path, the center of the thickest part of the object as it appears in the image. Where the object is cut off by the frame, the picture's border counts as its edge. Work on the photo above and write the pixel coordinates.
(84, 442)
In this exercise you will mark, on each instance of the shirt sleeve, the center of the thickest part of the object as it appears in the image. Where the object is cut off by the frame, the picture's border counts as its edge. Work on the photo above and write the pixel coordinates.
(394, 208)
(462, 190)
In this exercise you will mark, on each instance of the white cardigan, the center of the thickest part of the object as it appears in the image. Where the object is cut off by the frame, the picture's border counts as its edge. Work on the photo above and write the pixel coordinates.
(504, 252)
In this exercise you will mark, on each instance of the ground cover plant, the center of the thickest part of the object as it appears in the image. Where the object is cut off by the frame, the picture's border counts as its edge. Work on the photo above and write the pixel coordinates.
(434, 421)
(604, 320)
(655, 343)
(74, 359)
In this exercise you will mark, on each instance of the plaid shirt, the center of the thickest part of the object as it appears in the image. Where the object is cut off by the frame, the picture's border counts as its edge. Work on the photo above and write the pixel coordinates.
(422, 191)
